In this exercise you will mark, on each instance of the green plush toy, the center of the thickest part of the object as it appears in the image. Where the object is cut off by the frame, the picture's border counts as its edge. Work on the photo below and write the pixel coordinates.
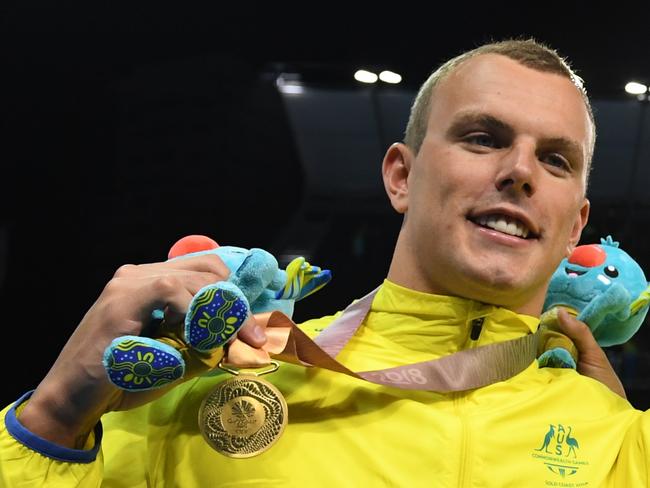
(605, 288)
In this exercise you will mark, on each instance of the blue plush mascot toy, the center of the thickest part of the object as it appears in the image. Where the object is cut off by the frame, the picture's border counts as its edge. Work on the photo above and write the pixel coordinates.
(256, 284)
(605, 288)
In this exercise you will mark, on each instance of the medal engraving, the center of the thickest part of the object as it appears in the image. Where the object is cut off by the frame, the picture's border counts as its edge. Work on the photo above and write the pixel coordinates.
(243, 416)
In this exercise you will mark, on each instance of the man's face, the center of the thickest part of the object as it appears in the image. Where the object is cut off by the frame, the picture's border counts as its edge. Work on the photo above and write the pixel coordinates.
(496, 195)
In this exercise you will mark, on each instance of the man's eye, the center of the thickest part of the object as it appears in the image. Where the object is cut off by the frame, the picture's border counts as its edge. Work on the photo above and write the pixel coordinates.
(481, 139)
(556, 160)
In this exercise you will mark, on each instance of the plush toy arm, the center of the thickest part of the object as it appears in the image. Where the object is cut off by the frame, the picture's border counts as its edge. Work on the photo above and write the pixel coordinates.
(258, 271)
(558, 357)
(555, 350)
(615, 300)
(642, 301)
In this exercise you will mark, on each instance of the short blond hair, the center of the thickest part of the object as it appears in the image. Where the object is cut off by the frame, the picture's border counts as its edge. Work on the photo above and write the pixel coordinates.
(528, 52)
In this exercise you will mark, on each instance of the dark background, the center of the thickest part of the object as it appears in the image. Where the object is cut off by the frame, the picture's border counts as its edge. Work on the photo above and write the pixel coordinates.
(126, 127)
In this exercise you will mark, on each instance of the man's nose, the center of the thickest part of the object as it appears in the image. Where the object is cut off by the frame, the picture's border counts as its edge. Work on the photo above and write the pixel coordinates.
(517, 170)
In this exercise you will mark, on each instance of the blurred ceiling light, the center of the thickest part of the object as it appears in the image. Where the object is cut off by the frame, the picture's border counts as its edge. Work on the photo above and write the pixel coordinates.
(289, 83)
(365, 76)
(389, 77)
(291, 88)
(634, 88)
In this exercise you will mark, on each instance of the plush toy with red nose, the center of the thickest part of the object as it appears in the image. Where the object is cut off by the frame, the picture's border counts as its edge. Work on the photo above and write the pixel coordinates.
(167, 350)
(602, 286)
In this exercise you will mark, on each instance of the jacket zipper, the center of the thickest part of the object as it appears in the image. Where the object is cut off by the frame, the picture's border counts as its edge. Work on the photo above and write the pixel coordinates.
(464, 475)
(477, 327)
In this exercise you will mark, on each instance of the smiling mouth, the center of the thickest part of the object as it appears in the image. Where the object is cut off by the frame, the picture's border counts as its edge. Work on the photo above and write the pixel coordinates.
(504, 224)
(573, 273)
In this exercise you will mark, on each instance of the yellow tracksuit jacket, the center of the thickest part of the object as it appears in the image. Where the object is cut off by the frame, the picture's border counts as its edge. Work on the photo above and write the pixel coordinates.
(543, 427)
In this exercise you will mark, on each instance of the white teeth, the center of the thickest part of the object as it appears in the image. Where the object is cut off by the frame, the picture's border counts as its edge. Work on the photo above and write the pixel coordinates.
(501, 225)
(504, 224)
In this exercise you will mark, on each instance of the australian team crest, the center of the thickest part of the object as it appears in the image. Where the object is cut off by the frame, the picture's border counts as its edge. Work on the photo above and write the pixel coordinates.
(559, 450)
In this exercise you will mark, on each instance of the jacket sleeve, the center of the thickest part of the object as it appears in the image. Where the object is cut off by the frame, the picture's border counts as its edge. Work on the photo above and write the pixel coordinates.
(27, 460)
(631, 468)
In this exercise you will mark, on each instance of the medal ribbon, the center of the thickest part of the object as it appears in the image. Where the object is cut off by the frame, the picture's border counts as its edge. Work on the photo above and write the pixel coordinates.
(463, 370)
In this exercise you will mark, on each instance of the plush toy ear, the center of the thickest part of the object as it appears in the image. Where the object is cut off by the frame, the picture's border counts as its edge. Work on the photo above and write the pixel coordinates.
(190, 244)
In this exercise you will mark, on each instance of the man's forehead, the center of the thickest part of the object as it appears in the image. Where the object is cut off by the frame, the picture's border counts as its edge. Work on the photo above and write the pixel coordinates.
(507, 90)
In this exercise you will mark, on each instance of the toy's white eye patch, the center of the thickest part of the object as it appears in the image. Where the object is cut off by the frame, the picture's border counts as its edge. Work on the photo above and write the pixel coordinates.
(604, 280)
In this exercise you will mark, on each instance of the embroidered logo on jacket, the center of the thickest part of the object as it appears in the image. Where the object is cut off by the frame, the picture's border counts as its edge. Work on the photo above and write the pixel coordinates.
(559, 450)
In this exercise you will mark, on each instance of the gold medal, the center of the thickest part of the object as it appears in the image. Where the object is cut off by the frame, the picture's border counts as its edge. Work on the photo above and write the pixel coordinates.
(243, 416)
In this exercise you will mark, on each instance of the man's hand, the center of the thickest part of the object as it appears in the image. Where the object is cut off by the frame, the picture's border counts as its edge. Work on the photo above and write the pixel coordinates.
(77, 392)
(592, 360)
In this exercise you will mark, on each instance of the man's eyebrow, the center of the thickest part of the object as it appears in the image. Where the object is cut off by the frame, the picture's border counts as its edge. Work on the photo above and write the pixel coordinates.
(565, 144)
(463, 119)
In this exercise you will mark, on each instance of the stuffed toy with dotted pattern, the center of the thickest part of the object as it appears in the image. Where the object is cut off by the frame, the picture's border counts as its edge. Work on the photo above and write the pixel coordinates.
(256, 284)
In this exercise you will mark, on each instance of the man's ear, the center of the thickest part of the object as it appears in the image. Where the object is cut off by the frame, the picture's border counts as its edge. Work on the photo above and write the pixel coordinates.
(578, 225)
(395, 170)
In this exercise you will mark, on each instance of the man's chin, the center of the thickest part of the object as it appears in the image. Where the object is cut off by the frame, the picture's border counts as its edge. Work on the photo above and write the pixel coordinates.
(508, 291)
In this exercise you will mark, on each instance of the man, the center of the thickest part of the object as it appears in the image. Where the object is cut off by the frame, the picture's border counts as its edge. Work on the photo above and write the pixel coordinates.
(491, 182)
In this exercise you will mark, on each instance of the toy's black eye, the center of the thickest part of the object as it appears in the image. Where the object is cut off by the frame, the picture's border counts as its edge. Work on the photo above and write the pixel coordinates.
(611, 271)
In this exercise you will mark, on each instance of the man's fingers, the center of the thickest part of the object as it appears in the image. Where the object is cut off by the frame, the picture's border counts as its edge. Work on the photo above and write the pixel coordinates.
(592, 360)
(588, 349)
(126, 304)
(577, 331)
(252, 333)
(196, 281)
(206, 263)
